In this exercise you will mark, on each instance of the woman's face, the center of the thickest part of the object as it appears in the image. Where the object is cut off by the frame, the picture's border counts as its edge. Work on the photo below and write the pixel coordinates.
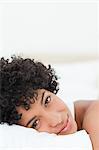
(48, 114)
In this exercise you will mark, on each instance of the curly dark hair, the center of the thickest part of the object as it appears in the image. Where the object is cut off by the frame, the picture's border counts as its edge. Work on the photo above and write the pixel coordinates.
(19, 80)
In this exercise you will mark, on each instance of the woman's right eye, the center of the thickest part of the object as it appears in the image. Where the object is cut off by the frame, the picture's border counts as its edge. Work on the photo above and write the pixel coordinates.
(47, 100)
(35, 124)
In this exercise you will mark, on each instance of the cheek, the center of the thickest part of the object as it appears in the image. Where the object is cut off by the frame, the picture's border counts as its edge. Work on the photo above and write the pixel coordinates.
(60, 105)
(44, 126)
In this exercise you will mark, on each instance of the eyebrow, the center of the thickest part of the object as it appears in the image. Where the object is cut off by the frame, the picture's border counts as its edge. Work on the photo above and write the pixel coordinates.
(35, 116)
(42, 97)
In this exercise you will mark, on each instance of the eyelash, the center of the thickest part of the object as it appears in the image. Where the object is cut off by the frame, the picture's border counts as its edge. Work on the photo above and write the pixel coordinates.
(35, 124)
(47, 100)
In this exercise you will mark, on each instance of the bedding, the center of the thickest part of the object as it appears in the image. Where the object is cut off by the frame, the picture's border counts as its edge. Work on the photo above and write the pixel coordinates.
(16, 137)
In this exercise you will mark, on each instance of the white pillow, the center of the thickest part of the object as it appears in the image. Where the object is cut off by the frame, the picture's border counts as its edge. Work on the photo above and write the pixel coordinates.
(17, 137)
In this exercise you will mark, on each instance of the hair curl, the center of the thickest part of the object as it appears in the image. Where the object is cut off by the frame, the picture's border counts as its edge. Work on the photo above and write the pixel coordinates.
(19, 80)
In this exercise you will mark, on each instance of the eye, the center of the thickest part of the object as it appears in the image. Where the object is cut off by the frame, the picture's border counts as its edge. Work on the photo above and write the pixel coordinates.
(47, 101)
(35, 124)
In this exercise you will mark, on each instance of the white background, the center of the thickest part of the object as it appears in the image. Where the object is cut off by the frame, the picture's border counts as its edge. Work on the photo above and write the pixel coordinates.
(49, 30)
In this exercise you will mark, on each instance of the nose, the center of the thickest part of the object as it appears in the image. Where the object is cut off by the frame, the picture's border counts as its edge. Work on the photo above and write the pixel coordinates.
(53, 119)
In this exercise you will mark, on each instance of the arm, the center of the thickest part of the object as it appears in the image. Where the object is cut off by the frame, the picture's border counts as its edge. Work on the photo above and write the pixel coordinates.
(88, 119)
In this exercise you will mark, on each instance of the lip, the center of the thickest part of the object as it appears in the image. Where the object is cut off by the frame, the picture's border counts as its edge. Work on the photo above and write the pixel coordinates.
(66, 125)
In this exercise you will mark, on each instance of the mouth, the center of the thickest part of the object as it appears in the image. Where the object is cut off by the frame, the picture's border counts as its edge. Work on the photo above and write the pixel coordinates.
(66, 126)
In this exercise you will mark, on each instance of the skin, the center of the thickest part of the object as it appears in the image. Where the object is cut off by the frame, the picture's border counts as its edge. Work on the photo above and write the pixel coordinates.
(50, 114)
(87, 113)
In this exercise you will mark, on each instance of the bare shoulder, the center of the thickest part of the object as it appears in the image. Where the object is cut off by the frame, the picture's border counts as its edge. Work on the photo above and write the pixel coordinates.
(81, 106)
(85, 110)
(89, 119)
(86, 105)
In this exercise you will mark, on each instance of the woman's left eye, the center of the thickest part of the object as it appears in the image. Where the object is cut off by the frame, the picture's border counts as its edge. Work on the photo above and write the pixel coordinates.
(47, 101)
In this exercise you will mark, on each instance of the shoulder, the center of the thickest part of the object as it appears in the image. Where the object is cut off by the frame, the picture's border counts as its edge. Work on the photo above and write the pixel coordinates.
(91, 117)
(88, 117)
(84, 110)
(82, 105)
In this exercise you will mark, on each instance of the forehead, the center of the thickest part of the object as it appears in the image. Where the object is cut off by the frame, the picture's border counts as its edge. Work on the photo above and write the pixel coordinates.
(40, 92)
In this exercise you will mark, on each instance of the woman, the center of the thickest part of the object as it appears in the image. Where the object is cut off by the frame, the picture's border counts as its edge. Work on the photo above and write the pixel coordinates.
(28, 98)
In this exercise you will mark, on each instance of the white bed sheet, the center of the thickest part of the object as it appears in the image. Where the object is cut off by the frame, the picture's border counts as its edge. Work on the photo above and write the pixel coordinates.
(20, 138)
